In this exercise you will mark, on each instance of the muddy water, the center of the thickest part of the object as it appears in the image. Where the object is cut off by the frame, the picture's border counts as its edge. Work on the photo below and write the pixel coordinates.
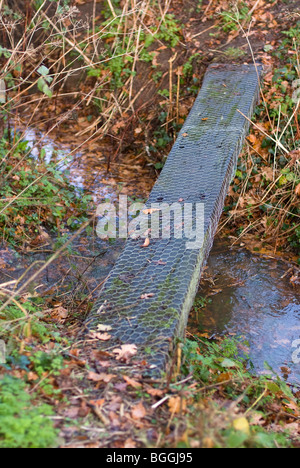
(251, 297)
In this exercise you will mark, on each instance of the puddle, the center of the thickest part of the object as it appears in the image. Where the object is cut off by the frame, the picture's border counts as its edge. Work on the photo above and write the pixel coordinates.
(91, 260)
(86, 167)
(253, 299)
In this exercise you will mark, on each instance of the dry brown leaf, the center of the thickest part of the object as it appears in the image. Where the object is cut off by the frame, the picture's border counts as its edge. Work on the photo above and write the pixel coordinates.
(155, 392)
(252, 138)
(146, 243)
(100, 336)
(100, 377)
(150, 210)
(138, 411)
(60, 312)
(129, 443)
(147, 296)
(132, 382)
(72, 412)
(176, 404)
(125, 352)
(294, 407)
(268, 173)
(31, 376)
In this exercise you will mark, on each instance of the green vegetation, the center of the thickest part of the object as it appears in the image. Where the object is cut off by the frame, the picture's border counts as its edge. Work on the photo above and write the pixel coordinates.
(237, 13)
(34, 197)
(140, 71)
(25, 320)
(221, 370)
(23, 423)
(265, 191)
(120, 55)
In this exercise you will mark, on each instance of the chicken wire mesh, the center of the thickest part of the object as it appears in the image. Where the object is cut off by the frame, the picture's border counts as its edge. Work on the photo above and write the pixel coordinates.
(148, 295)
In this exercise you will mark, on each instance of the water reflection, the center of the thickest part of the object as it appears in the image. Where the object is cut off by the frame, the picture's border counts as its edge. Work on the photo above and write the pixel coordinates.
(86, 167)
(252, 297)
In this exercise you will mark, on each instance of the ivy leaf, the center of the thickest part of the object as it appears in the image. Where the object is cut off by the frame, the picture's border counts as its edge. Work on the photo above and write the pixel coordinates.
(42, 70)
(47, 90)
(228, 363)
(44, 88)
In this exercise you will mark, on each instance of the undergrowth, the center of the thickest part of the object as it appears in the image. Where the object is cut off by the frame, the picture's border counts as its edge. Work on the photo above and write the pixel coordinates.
(232, 407)
(23, 422)
(264, 196)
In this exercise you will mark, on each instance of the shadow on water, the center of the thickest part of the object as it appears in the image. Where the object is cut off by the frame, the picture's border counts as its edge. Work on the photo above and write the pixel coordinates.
(250, 296)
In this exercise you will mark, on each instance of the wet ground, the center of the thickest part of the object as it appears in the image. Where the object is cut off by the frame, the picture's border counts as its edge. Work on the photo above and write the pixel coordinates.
(86, 165)
(89, 259)
(249, 296)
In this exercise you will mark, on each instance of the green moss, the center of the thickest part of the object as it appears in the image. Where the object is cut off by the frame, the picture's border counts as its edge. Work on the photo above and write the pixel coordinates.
(22, 423)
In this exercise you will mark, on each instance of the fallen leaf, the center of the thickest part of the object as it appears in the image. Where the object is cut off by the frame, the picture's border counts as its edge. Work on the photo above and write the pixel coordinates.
(147, 296)
(121, 386)
(138, 411)
(257, 419)
(100, 377)
(176, 404)
(129, 443)
(146, 243)
(132, 382)
(150, 210)
(208, 442)
(155, 392)
(100, 336)
(294, 407)
(59, 313)
(97, 402)
(241, 424)
(31, 376)
(125, 352)
(160, 262)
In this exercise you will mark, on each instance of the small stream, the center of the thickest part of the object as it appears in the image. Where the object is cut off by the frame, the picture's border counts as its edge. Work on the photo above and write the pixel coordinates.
(247, 295)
